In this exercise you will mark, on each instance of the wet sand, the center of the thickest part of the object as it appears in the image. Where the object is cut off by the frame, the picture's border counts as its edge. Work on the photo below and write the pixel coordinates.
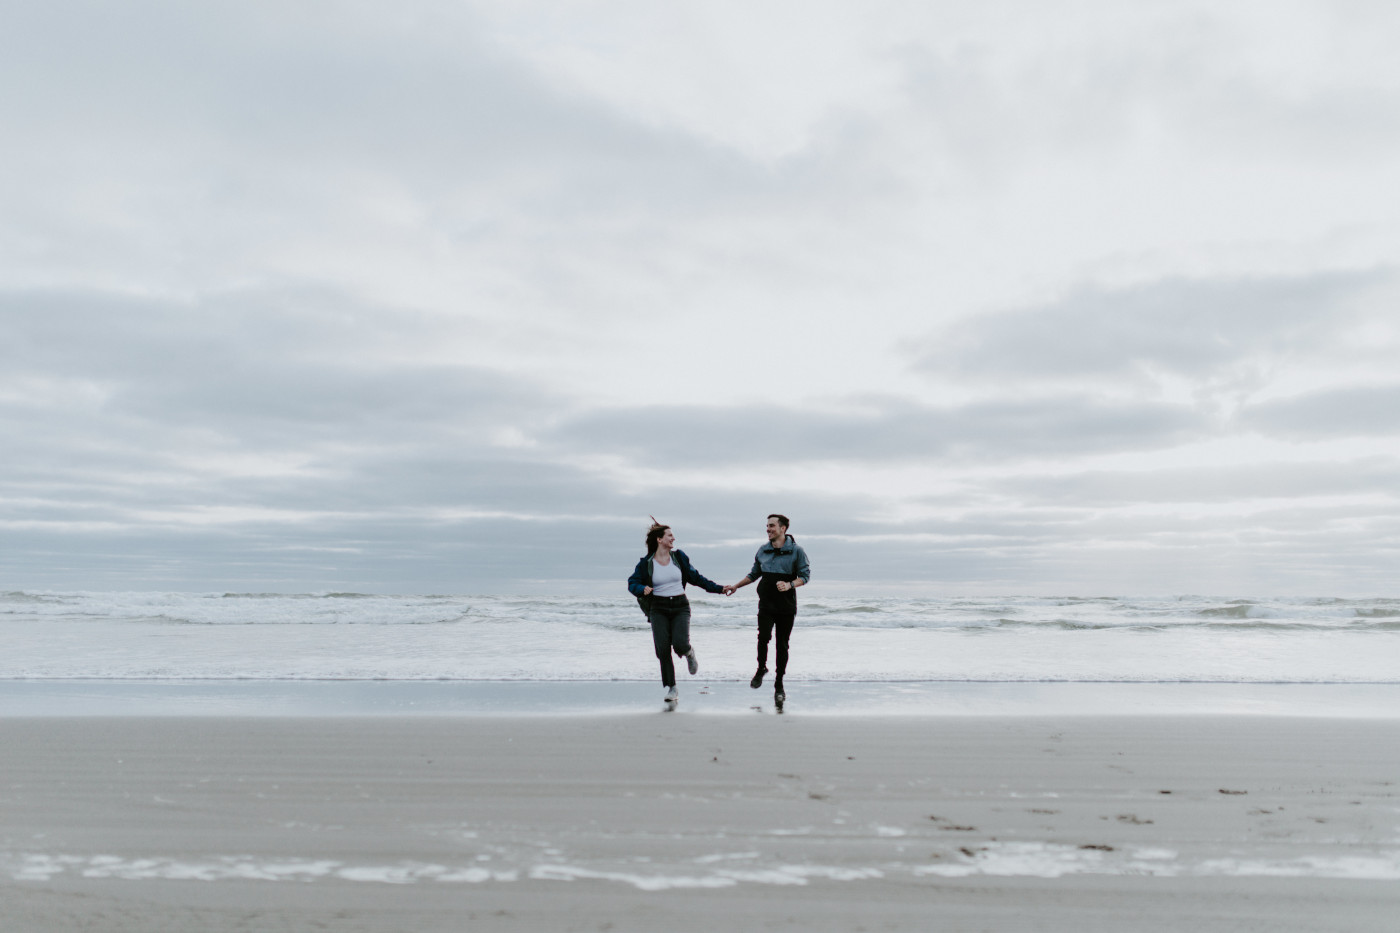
(690, 822)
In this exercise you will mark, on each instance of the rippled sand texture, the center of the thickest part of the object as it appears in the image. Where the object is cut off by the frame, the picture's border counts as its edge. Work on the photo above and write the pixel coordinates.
(676, 822)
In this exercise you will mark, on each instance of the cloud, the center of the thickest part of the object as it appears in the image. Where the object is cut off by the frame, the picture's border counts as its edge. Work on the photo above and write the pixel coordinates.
(298, 438)
(775, 430)
(125, 404)
(450, 294)
(248, 75)
(396, 155)
(1193, 329)
(1220, 484)
(244, 99)
(221, 351)
(1311, 84)
(1359, 411)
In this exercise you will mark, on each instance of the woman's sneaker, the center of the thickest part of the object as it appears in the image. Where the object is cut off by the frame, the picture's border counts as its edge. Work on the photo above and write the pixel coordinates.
(758, 678)
(690, 661)
(672, 697)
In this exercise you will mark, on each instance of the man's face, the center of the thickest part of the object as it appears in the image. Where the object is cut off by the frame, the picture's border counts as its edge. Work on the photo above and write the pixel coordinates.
(776, 533)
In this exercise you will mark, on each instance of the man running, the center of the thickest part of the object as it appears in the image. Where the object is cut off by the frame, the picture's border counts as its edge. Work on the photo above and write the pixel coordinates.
(781, 567)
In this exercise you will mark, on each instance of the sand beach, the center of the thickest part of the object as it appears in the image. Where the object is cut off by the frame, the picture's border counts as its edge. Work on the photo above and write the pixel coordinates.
(649, 821)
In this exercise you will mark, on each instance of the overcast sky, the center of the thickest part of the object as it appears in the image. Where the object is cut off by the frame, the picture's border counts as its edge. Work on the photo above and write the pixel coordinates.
(1079, 298)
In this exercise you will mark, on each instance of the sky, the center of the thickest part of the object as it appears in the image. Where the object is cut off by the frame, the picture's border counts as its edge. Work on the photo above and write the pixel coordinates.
(1079, 298)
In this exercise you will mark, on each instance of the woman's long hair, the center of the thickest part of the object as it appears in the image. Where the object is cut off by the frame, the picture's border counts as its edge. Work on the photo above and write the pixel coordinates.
(654, 534)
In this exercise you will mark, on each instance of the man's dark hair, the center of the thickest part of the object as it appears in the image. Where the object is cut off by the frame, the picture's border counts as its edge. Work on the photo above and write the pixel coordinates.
(782, 519)
(655, 534)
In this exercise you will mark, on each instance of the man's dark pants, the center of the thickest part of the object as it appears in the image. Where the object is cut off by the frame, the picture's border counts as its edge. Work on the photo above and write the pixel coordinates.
(778, 617)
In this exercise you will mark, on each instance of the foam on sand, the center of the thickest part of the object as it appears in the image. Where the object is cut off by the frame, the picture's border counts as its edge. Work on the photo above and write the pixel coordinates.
(1003, 860)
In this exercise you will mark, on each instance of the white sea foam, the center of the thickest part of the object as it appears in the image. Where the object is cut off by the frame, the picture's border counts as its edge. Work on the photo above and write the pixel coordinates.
(1049, 860)
(1384, 866)
(641, 882)
(799, 874)
(39, 867)
(1006, 859)
(475, 876)
(725, 857)
(1046, 860)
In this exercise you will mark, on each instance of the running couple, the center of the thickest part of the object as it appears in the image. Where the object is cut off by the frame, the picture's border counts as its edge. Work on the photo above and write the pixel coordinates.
(659, 582)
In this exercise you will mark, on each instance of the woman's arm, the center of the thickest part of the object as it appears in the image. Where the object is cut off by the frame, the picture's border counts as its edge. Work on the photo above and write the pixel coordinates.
(692, 576)
(638, 584)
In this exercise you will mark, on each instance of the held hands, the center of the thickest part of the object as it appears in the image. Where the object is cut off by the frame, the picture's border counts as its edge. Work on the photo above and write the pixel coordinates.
(783, 586)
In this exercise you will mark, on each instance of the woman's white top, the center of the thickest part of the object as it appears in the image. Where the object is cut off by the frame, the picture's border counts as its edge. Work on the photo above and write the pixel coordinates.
(666, 579)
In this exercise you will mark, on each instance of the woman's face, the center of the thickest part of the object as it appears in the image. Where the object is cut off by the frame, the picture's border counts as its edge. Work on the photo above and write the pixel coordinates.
(666, 541)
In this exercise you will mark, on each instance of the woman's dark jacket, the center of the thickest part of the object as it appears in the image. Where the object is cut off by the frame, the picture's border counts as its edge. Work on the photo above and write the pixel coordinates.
(641, 577)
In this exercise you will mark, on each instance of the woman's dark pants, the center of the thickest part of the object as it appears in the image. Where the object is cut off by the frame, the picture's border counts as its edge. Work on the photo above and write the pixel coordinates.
(670, 631)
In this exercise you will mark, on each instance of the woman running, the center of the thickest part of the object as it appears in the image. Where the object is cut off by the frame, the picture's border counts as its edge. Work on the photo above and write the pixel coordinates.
(659, 584)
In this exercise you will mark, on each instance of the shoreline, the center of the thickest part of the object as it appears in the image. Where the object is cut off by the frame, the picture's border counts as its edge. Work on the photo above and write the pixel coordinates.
(653, 821)
(408, 698)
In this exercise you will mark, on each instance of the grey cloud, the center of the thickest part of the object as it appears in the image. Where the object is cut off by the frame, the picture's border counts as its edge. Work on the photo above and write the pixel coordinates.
(1196, 329)
(1111, 85)
(393, 526)
(182, 147)
(170, 145)
(887, 429)
(255, 364)
(247, 441)
(1203, 485)
(1305, 546)
(253, 73)
(240, 98)
(1350, 412)
(114, 405)
(127, 489)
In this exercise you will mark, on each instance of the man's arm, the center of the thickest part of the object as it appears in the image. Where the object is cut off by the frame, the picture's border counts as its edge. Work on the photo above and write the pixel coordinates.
(754, 573)
(799, 567)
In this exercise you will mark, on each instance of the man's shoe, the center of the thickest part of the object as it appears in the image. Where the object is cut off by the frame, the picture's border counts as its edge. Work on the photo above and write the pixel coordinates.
(778, 695)
(690, 661)
(758, 678)
(672, 697)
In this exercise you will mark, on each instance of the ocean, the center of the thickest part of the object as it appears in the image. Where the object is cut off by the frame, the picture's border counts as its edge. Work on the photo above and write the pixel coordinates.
(157, 636)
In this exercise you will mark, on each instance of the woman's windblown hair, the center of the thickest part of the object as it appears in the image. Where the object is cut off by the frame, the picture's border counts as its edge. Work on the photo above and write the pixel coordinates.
(654, 534)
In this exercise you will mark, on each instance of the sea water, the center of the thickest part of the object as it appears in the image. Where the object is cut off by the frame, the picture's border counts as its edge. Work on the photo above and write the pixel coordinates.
(150, 636)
